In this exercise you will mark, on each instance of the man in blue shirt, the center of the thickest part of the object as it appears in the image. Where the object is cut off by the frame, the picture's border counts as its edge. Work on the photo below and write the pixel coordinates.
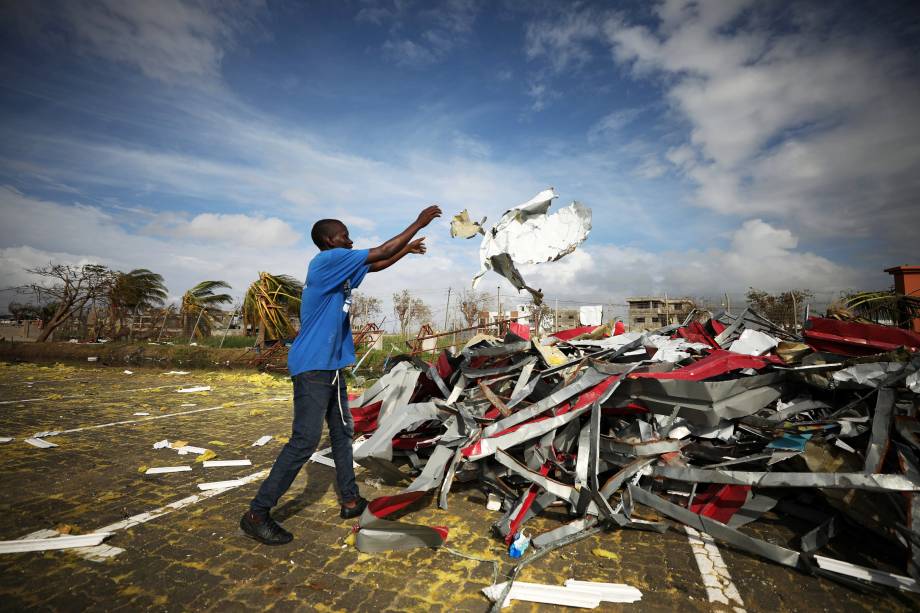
(323, 347)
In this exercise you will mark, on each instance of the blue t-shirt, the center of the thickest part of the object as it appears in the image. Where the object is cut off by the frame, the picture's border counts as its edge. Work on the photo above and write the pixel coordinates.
(324, 341)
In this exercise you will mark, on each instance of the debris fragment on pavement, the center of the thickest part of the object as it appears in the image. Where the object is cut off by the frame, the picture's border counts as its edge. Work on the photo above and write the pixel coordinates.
(527, 235)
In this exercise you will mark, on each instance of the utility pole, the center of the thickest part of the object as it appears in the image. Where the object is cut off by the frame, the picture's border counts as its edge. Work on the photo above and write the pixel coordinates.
(556, 317)
(197, 321)
(498, 305)
(795, 312)
(667, 310)
(728, 303)
(447, 309)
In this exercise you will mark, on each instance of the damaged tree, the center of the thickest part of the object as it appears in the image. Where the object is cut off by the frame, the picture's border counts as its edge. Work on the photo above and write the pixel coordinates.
(407, 309)
(70, 288)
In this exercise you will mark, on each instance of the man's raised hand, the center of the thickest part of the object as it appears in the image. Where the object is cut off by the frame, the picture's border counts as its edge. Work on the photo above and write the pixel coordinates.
(418, 246)
(428, 215)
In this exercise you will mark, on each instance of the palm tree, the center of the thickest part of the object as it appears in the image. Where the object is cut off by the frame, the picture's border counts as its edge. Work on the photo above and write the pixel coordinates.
(880, 307)
(199, 304)
(134, 291)
(269, 303)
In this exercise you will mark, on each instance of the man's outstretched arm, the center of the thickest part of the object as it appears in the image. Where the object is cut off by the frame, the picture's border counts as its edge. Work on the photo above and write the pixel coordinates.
(395, 245)
(416, 246)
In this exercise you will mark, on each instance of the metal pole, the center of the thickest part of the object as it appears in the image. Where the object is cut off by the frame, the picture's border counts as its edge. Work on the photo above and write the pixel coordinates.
(795, 311)
(227, 329)
(200, 313)
(556, 317)
(498, 319)
(447, 308)
(165, 316)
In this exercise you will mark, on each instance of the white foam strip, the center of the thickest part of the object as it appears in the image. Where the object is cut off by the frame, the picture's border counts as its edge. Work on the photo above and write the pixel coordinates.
(98, 555)
(200, 388)
(161, 470)
(220, 485)
(716, 580)
(545, 594)
(141, 518)
(5, 439)
(40, 443)
(185, 449)
(868, 574)
(262, 440)
(219, 463)
(609, 592)
(58, 542)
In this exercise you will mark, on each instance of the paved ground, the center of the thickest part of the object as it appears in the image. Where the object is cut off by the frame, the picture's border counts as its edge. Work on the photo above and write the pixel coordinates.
(195, 558)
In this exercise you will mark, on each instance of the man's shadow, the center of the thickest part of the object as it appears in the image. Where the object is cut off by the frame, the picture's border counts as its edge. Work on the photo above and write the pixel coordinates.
(319, 479)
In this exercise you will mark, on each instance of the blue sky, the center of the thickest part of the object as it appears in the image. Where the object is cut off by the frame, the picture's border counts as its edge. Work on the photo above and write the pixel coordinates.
(721, 145)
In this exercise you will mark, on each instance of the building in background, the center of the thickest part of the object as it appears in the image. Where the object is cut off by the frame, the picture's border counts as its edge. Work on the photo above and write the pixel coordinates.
(650, 312)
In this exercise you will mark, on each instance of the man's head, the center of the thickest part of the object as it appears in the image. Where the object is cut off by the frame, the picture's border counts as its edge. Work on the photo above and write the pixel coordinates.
(329, 234)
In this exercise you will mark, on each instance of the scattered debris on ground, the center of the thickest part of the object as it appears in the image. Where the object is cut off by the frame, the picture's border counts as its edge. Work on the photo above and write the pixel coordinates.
(713, 424)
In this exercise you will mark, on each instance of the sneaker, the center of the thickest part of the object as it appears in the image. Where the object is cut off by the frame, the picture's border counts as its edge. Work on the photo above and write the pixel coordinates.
(355, 511)
(266, 531)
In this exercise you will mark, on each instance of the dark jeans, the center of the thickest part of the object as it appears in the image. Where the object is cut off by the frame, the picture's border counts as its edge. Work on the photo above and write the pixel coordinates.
(315, 399)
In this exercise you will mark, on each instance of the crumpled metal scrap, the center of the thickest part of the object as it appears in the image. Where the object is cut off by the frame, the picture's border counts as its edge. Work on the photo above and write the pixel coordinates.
(675, 419)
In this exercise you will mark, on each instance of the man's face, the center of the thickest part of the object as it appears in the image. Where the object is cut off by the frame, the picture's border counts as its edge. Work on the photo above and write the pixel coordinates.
(340, 238)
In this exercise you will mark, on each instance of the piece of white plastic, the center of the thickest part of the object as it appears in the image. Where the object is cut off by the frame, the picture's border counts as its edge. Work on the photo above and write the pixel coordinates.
(753, 342)
(262, 440)
(219, 485)
(185, 449)
(200, 388)
(219, 463)
(59, 542)
(40, 443)
(868, 574)
(162, 470)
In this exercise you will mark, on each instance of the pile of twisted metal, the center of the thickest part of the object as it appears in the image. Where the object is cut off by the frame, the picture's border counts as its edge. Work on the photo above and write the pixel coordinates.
(711, 423)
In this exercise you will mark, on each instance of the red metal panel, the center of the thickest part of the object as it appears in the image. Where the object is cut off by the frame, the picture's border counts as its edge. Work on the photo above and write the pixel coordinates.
(720, 502)
(522, 330)
(565, 335)
(718, 362)
(855, 339)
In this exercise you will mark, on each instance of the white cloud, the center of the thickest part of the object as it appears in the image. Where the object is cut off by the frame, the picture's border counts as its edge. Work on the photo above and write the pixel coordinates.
(437, 30)
(612, 123)
(174, 41)
(14, 261)
(815, 125)
(563, 39)
(758, 255)
(406, 52)
(240, 229)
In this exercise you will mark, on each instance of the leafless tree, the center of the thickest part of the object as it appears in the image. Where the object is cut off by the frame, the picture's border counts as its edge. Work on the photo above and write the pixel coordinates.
(782, 308)
(470, 303)
(538, 314)
(71, 287)
(364, 309)
(407, 309)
